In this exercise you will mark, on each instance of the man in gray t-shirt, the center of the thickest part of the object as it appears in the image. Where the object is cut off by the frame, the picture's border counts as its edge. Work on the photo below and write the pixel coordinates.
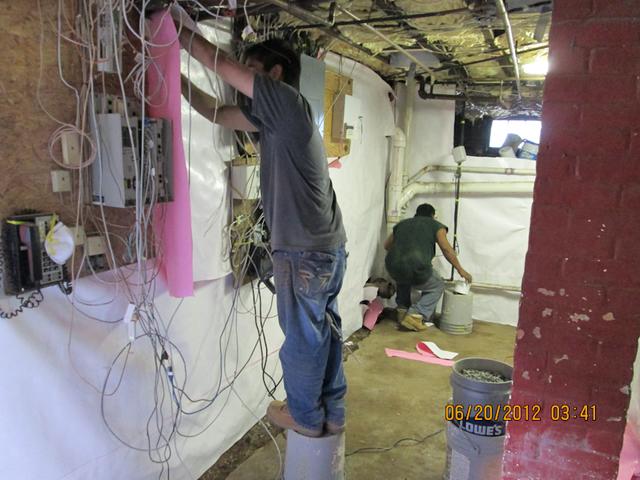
(304, 220)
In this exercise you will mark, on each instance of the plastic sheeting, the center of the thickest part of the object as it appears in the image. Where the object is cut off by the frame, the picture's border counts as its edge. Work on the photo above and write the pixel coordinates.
(493, 229)
(53, 394)
(207, 148)
(51, 397)
(360, 183)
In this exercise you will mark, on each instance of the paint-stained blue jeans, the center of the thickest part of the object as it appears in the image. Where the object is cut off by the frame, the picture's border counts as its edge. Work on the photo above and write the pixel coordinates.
(307, 286)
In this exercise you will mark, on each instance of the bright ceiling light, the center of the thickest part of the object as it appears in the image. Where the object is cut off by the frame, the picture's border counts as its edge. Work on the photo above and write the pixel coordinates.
(539, 67)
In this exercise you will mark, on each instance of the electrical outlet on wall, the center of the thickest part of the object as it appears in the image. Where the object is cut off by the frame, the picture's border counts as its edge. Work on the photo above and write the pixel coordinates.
(61, 181)
(95, 245)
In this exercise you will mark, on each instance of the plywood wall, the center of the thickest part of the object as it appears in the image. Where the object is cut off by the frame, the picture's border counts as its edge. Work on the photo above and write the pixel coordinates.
(25, 129)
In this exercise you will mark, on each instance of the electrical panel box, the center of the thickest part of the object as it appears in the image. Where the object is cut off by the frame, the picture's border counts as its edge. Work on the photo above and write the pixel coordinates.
(27, 265)
(312, 73)
(122, 159)
(337, 88)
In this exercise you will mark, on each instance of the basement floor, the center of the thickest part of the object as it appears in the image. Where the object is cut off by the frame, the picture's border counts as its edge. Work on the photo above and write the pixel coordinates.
(390, 399)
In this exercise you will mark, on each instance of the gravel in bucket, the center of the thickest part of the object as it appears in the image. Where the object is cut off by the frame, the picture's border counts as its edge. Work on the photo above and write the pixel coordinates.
(485, 376)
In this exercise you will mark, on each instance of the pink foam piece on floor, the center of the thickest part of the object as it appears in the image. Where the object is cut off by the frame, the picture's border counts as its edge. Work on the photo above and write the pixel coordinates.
(418, 357)
(172, 221)
(630, 455)
(373, 312)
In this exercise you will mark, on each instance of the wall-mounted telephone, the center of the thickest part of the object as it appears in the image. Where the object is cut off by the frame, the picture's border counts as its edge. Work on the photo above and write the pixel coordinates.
(26, 263)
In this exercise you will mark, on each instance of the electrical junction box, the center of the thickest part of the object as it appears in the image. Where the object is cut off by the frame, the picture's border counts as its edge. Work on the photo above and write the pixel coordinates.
(245, 182)
(312, 72)
(95, 245)
(60, 181)
(121, 160)
(108, 37)
(70, 142)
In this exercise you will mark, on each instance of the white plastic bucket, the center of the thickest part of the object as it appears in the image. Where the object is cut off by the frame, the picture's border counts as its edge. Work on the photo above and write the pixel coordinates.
(529, 150)
(314, 458)
(471, 395)
(470, 457)
(456, 316)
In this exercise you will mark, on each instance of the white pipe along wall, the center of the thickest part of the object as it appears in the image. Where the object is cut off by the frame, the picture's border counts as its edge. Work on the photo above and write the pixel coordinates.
(489, 170)
(425, 188)
(394, 190)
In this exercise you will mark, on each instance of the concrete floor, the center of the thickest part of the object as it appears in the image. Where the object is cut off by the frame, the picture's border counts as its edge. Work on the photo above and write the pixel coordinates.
(391, 398)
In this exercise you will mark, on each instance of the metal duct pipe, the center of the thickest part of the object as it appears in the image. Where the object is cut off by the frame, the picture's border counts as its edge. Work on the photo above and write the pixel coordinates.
(406, 53)
(512, 44)
(421, 188)
(488, 170)
(326, 26)
(394, 189)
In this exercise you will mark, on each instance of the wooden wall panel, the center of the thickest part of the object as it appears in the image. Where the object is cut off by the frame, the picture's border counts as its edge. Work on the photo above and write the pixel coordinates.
(25, 129)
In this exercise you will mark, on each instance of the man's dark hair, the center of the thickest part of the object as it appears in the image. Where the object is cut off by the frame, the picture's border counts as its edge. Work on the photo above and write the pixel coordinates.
(425, 210)
(276, 51)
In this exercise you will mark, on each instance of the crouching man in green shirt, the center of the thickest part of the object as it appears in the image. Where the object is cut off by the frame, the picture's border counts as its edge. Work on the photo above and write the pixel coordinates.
(411, 248)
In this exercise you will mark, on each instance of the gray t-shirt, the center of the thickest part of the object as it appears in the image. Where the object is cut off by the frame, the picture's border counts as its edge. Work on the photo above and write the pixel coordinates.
(300, 205)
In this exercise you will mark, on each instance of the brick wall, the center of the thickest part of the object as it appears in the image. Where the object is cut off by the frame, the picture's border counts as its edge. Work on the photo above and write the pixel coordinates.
(580, 313)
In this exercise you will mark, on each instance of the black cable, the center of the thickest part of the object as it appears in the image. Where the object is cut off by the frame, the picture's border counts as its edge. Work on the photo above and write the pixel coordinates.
(30, 301)
(415, 441)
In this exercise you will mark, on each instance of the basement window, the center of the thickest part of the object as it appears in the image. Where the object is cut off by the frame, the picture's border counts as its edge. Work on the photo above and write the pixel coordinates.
(526, 129)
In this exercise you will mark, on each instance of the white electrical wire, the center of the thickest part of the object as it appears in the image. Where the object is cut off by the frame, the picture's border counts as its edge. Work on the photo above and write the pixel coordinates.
(163, 424)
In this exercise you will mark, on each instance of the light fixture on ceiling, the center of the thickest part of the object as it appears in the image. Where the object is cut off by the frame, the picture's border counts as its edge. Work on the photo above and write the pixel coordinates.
(539, 67)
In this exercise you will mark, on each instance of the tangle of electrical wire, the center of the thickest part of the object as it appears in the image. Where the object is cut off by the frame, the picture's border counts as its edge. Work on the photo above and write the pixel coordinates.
(171, 398)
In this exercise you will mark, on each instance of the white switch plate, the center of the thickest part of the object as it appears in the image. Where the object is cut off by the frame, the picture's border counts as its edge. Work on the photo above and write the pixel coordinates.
(96, 246)
(61, 181)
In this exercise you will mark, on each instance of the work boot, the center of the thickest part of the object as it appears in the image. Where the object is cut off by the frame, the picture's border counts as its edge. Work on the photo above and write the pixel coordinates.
(413, 321)
(334, 428)
(278, 414)
(400, 312)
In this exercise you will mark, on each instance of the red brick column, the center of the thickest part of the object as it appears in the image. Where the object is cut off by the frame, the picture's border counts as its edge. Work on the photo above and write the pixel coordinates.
(580, 312)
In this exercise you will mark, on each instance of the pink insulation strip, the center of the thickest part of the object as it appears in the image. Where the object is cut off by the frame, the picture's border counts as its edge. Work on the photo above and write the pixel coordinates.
(417, 357)
(373, 312)
(172, 221)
